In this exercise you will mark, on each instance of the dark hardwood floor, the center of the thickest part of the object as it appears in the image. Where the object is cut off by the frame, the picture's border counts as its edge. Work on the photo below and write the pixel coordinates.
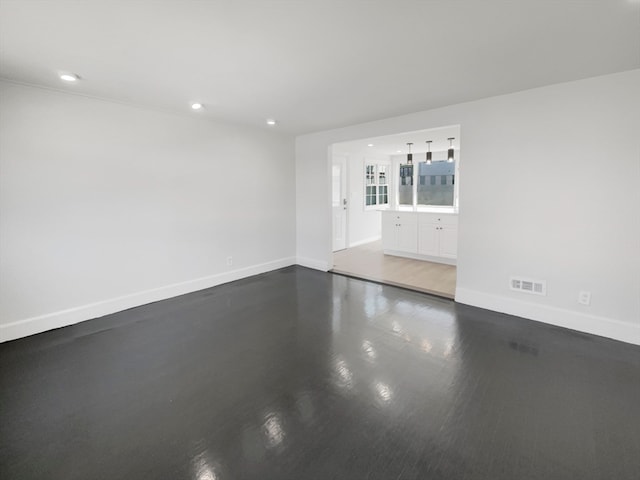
(298, 374)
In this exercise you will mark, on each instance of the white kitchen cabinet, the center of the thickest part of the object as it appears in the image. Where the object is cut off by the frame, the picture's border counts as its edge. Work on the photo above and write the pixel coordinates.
(449, 241)
(400, 231)
(429, 239)
(438, 235)
(421, 235)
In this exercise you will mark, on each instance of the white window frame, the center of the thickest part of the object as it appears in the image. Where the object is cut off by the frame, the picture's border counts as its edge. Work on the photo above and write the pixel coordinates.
(376, 183)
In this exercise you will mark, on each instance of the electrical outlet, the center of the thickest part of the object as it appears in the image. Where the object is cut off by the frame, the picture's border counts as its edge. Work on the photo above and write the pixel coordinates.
(229, 261)
(584, 298)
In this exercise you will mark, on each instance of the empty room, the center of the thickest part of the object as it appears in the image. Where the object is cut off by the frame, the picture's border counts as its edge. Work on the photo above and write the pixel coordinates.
(184, 183)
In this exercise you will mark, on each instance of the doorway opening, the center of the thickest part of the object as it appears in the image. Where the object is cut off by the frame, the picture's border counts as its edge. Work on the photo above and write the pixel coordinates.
(395, 209)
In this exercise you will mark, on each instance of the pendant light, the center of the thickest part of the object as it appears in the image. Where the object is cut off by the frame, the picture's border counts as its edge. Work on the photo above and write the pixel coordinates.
(409, 155)
(450, 151)
(429, 152)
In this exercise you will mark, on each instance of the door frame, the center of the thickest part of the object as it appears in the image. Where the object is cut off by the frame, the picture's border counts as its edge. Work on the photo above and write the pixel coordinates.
(343, 160)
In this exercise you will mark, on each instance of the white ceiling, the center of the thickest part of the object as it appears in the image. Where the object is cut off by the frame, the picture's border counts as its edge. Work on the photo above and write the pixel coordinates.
(396, 144)
(313, 64)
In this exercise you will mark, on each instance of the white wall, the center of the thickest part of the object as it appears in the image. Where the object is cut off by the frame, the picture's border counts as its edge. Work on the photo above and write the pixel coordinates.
(549, 189)
(105, 206)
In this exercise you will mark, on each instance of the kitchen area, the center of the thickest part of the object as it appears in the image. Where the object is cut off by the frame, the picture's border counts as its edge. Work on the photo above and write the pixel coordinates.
(399, 205)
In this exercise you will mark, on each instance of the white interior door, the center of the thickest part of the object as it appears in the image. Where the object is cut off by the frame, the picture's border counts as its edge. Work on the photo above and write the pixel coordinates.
(339, 202)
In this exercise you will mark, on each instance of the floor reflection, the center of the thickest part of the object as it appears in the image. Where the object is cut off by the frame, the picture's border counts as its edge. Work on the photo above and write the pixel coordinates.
(273, 429)
(204, 468)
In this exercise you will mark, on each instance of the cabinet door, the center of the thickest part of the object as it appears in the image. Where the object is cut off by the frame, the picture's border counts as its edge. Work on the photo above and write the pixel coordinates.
(389, 231)
(408, 233)
(429, 239)
(408, 238)
(449, 241)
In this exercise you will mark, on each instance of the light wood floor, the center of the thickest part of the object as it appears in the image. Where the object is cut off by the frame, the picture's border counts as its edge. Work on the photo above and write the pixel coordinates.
(368, 262)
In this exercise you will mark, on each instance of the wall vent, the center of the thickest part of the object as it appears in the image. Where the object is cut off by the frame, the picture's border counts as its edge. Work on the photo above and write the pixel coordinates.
(526, 285)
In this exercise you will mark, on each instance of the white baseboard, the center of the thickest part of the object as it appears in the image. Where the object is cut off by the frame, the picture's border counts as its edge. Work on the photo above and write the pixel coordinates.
(364, 242)
(62, 318)
(605, 327)
(313, 263)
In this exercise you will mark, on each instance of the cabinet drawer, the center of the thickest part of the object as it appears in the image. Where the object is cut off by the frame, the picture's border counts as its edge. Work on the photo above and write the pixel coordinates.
(437, 218)
(404, 218)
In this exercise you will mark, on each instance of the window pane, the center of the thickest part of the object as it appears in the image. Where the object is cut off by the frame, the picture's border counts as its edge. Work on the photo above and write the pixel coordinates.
(382, 175)
(370, 195)
(384, 198)
(405, 189)
(370, 175)
(438, 189)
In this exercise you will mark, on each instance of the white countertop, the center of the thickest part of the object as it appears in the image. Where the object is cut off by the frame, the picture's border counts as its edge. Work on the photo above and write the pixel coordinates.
(443, 211)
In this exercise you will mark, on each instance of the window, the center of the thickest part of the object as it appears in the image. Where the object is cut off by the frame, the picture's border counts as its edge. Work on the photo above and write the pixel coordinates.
(371, 193)
(405, 189)
(376, 184)
(436, 185)
(383, 185)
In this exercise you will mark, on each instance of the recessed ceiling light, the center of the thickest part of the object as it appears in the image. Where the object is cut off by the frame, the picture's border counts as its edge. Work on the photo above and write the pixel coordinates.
(197, 106)
(271, 121)
(69, 77)
(399, 151)
(370, 145)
